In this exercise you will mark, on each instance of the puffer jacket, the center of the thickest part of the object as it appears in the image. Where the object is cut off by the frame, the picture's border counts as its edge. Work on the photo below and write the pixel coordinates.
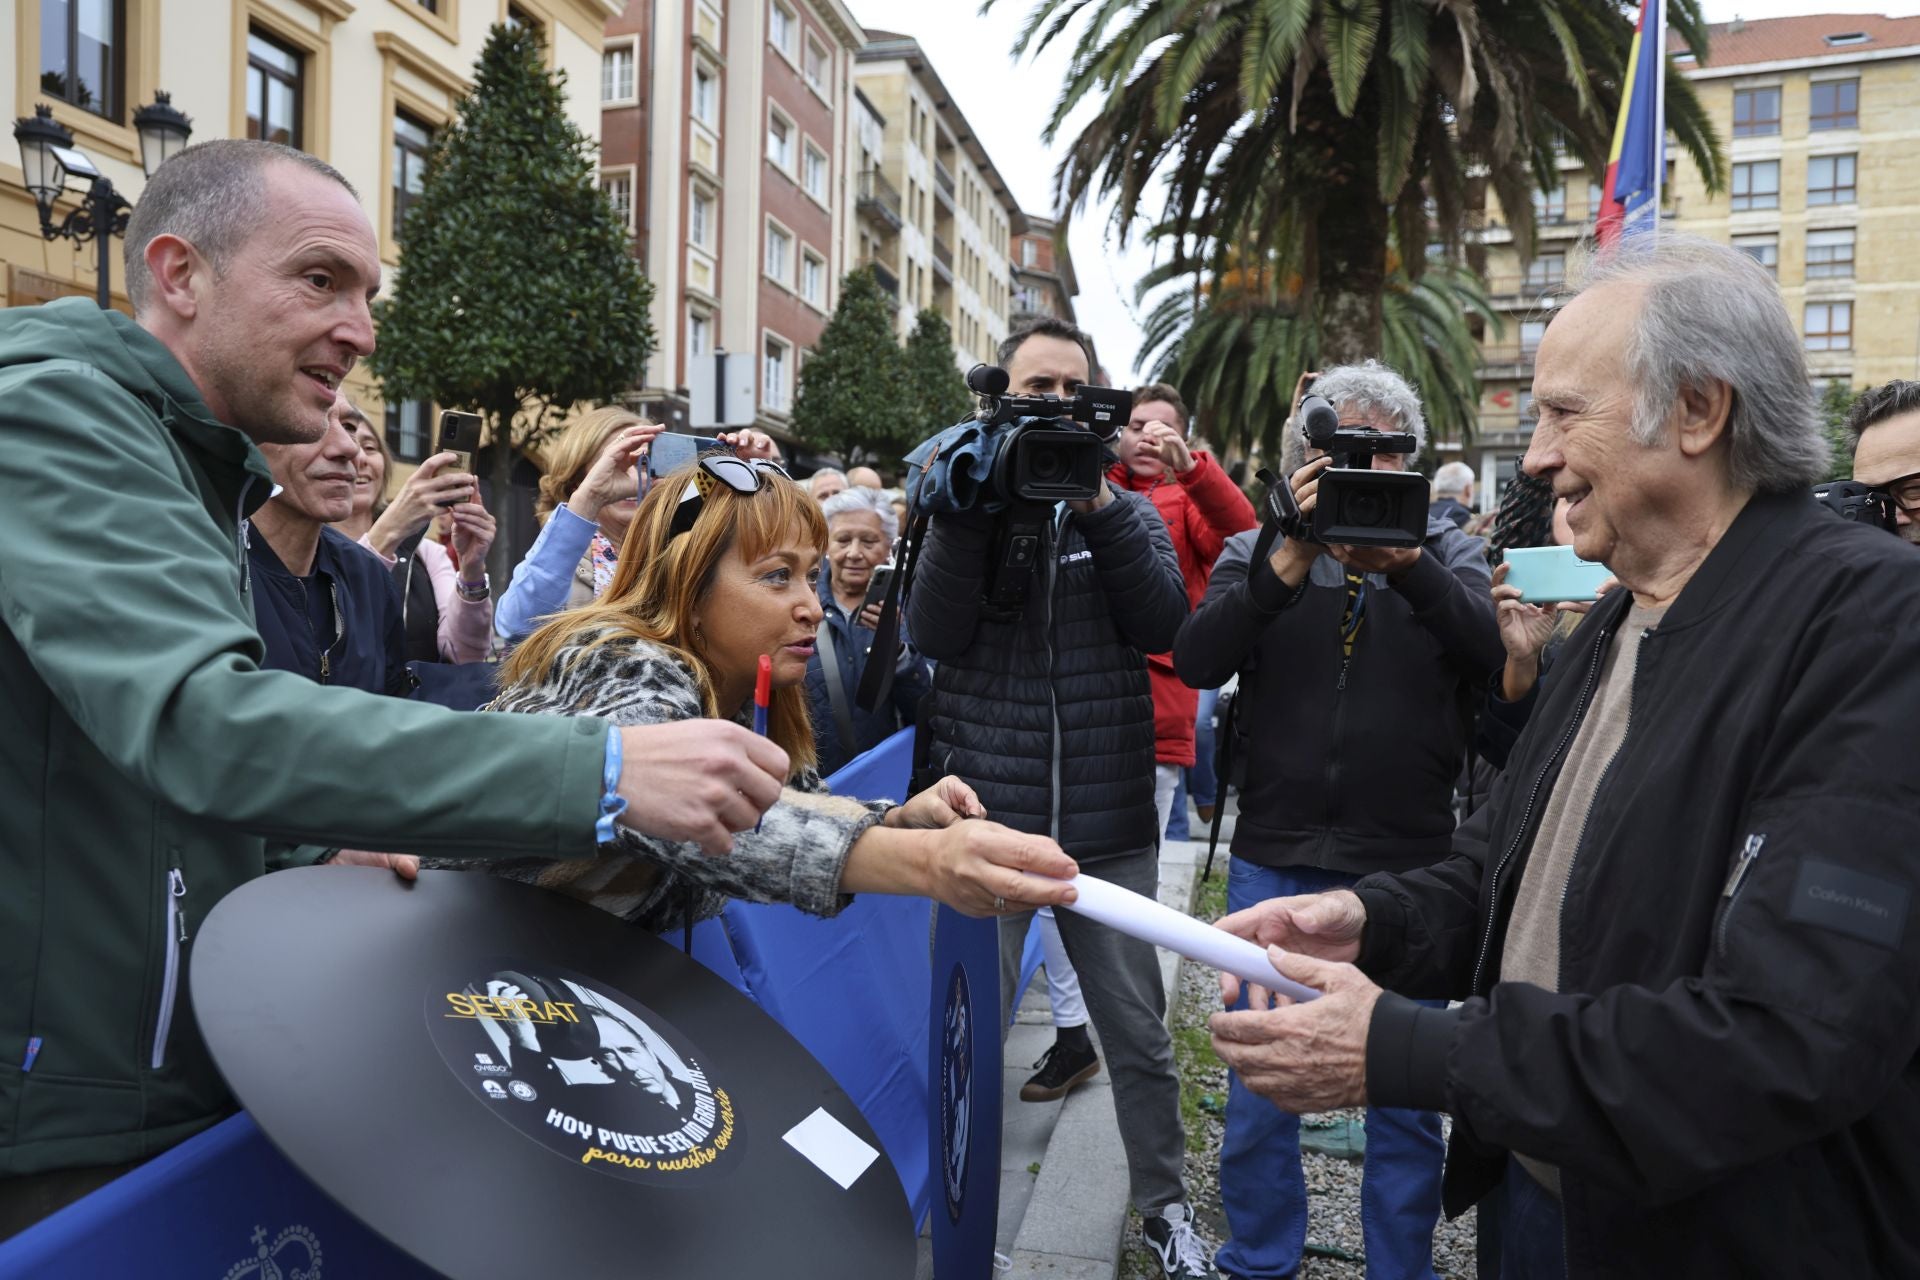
(1202, 509)
(1049, 715)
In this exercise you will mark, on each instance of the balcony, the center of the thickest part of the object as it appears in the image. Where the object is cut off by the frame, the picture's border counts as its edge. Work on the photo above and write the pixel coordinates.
(879, 201)
(943, 184)
(1539, 289)
(884, 275)
(942, 260)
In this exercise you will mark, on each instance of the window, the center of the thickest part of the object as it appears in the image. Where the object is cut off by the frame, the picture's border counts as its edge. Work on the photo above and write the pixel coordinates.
(431, 6)
(813, 173)
(1550, 206)
(1596, 193)
(618, 185)
(1829, 326)
(706, 95)
(1547, 271)
(1841, 38)
(1531, 331)
(407, 429)
(1834, 104)
(813, 278)
(815, 65)
(781, 27)
(700, 219)
(1756, 111)
(81, 54)
(776, 388)
(1764, 250)
(1029, 252)
(1830, 180)
(616, 73)
(699, 333)
(1756, 185)
(1830, 254)
(411, 142)
(779, 254)
(274, 88)
(780, 142)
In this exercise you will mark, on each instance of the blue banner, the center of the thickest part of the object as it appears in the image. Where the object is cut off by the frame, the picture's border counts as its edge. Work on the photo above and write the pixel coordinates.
(963, 1122)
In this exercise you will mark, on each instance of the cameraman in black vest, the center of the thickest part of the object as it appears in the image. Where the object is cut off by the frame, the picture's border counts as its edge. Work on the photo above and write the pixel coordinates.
(1047, 714)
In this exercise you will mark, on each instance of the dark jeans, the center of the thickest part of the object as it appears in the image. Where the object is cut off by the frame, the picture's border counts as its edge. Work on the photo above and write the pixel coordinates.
(1262, 1187)
(27, 1199)
(1197, 778)
(1532, 1235)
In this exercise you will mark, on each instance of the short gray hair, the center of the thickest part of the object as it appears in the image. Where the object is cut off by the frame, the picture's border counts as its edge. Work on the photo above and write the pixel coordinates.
(1713, 314)
(1452, 479)
(813, 481)
(1372, 387)
(212, 195)
(860, 499)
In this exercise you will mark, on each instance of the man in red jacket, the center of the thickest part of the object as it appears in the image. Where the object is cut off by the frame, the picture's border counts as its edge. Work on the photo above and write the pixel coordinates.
(1202, 508)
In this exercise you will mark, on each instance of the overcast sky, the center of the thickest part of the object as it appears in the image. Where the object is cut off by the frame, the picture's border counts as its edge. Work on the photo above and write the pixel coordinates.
(1008, 104)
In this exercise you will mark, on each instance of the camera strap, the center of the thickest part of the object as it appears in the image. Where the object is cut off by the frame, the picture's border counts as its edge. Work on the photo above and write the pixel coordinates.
(885, 650)
(836, 687)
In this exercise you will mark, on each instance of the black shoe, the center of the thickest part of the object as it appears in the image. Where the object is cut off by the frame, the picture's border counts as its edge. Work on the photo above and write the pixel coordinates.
(1170, 1235)
(1060, 1070)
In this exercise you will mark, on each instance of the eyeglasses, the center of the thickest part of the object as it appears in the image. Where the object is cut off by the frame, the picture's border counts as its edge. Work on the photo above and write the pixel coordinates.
(1905, 493)
(742, 475)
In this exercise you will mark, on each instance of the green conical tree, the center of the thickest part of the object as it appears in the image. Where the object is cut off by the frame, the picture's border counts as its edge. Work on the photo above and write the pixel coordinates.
(1835, 400)
(936, 395)
(518, 292)
(850, 387)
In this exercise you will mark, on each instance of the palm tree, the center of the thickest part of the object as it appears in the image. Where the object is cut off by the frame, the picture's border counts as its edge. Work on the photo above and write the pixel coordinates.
(1314, 130)
(1235, 346)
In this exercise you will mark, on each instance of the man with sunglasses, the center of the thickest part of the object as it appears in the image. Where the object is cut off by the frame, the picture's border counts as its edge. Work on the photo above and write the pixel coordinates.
(1885, 422)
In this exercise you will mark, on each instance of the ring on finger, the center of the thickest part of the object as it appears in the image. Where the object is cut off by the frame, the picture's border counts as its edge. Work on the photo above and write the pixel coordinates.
(999, 904)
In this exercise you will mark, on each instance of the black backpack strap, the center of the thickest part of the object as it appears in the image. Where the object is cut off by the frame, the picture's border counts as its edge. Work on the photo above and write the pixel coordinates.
(836, 688)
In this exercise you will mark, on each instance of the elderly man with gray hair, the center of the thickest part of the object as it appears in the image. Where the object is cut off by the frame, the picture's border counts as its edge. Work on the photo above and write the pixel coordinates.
(1356, 667)
(1683, 935)
(1453, 493)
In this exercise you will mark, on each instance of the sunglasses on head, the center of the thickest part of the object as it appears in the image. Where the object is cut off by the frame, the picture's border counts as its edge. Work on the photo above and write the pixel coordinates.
(742, 475)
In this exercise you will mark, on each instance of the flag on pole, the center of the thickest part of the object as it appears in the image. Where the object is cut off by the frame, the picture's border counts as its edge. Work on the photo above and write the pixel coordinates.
(1638, 163)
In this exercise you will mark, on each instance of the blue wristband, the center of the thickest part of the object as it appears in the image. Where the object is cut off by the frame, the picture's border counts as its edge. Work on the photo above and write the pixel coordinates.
(612, 804)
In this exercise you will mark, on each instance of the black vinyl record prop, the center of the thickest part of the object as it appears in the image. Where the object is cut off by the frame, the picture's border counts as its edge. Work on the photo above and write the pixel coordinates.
(504, 1082)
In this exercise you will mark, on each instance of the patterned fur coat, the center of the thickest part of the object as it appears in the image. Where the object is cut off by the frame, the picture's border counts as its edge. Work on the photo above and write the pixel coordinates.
(796, 856)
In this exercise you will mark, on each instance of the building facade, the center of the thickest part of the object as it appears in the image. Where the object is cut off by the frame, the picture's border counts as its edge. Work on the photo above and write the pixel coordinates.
(734, 137)
(952, 249)
(362, 85)
(1816, 114)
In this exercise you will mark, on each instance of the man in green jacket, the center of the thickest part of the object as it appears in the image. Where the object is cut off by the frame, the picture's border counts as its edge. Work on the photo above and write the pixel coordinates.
(145, 757)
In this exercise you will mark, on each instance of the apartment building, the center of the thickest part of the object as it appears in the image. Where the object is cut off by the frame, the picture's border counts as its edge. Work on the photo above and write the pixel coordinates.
(730, 123)
(952, 249)
(1816, 113)
(362, 86)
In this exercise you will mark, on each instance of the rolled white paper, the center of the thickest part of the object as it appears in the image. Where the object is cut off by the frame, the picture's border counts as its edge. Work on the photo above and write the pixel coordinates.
(1141, 917)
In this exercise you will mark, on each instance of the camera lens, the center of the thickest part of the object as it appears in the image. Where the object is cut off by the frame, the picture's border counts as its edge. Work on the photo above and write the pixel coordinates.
(1366, 507)
(1048, 466)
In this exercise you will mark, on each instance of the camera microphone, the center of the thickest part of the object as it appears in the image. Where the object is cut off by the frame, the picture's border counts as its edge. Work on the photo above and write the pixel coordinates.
(987, 380)
(1318, 420)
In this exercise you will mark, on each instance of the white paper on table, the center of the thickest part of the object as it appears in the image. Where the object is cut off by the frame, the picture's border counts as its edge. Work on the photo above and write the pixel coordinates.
(1141, 917)
(832, 1148)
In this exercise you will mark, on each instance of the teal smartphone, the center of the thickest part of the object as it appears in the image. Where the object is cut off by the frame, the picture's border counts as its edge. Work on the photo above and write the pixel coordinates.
(1547, 575)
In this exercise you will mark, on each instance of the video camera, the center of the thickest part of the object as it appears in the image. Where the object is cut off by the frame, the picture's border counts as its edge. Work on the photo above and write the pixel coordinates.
(1852, 500)
(1029, 453)
(1357, 505)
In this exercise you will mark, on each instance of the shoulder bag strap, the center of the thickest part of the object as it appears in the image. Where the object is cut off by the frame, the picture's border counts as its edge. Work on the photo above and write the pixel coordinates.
(836, 689)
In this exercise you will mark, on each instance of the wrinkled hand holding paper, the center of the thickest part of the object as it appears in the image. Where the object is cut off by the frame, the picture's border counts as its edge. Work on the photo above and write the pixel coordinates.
(1141, 917)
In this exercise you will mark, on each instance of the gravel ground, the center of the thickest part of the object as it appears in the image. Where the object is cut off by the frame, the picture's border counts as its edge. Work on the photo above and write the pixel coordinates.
(1333, 1184)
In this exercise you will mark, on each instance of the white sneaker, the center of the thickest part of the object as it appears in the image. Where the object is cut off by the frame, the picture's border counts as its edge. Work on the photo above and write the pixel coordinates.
(1169, 1234)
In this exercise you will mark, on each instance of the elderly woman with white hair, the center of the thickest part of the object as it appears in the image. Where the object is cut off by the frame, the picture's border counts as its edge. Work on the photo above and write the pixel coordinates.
(861, 528)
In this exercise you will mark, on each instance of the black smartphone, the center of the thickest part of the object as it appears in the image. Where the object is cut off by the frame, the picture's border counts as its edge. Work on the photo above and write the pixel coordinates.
(877, 585)
(670, 449)
(460, 434)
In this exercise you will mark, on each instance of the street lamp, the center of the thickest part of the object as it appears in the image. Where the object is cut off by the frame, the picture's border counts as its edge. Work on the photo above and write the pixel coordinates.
(49, 161)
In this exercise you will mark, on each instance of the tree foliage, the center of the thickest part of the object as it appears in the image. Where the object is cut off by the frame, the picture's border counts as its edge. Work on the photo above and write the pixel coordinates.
(851, 388)
(1236, 346)
(518, 292)
(1836, 398)
(1314, 130)
(936, 391)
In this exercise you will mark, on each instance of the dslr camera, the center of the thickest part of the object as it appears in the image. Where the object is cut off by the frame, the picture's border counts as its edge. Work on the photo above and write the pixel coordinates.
(1357, 506)
(1032, 450)
(1852, 500)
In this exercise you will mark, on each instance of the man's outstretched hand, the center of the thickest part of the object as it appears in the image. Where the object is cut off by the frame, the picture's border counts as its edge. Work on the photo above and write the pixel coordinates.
(698, 780)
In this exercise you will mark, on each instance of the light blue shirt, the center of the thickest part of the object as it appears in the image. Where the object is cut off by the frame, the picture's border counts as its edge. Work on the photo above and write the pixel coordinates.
(542, 580)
